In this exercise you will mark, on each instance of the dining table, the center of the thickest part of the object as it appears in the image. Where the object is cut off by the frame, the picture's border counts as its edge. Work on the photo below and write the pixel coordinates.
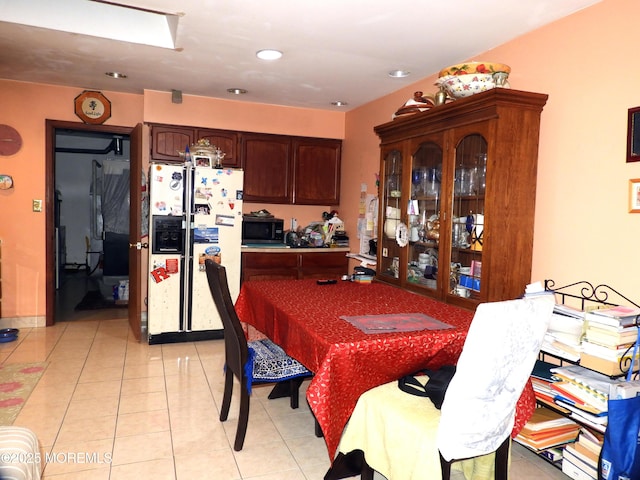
(313, 323)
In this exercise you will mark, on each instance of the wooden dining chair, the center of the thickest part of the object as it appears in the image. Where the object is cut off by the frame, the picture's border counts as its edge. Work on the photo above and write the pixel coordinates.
(406, 437)
(261, 361)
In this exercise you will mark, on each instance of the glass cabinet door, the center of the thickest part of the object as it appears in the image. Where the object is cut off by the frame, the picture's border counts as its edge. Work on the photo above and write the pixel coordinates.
(392, 207)
(467, 222)
(424, 215)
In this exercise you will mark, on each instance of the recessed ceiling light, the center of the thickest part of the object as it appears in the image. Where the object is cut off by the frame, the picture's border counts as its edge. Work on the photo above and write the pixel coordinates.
(339, 103)
(399, 73)
(115, 75)
(237, 91)
(269, 54)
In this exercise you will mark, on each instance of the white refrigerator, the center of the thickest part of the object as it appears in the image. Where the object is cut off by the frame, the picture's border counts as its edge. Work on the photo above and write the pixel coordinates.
(195, 213)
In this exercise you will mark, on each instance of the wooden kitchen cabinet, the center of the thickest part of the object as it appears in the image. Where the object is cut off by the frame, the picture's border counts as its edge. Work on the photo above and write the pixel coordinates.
(268, 170)
(285, 264)
(168, 140)
(277, 168)
(226, 141)
(316, 171)
(323, 265)
(269, 266)
(293, 170)
(457, 191)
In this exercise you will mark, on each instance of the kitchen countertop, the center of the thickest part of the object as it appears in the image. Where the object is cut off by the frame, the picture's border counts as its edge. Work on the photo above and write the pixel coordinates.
(287, 249)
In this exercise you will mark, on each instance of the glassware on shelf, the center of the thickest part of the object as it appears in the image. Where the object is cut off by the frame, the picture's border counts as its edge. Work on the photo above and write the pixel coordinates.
(393, 185)
(462, 182)
(482, 172)
(432, 182)
(394, 178)
(417, 178)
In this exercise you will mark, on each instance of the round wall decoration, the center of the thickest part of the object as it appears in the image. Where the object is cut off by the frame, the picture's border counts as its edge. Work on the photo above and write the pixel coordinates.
(92, 107)
(10, 140)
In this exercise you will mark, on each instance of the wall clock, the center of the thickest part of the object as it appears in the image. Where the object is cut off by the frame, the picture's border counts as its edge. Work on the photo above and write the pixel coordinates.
(10, 140)
(92, 107)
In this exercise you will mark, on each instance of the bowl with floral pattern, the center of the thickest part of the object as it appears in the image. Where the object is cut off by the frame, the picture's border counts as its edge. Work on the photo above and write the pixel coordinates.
(475, 67)
(460, 86)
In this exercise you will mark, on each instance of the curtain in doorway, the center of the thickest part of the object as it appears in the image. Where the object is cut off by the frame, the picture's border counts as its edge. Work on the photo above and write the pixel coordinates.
(115, 201)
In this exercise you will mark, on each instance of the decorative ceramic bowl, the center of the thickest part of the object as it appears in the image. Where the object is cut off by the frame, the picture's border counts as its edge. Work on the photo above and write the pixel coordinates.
(475, 67)
(460, 86)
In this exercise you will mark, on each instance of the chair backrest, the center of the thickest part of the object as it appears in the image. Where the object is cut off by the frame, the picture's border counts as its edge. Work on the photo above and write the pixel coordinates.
(501, 347)
(236, 349)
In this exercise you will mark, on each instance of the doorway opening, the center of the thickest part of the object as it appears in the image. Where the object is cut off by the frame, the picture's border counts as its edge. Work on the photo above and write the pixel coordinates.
(91, 223)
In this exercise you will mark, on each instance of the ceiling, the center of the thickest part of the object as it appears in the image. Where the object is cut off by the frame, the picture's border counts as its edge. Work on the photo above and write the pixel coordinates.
(334, 50)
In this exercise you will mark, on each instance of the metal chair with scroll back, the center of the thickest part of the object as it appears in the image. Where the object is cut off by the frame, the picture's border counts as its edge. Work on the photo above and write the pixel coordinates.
(261, 361)
(405, 437)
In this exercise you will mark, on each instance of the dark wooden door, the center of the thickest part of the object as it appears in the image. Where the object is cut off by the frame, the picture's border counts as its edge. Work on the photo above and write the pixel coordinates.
(135, 232)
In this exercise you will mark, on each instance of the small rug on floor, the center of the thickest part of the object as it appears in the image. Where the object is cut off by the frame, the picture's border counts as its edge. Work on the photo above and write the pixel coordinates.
(93, 300)
(17, 381)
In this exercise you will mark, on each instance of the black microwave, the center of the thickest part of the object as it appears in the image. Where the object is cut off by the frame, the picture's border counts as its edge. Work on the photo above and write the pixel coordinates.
(262, 230)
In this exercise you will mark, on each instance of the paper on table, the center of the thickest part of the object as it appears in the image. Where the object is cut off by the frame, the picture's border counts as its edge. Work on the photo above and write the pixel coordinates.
(395, 322)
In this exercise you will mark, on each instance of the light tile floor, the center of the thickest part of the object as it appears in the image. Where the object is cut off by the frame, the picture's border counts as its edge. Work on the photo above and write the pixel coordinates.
(108, 407)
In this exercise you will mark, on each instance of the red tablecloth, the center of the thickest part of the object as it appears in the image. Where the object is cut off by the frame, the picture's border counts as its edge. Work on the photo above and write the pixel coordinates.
(304, 319)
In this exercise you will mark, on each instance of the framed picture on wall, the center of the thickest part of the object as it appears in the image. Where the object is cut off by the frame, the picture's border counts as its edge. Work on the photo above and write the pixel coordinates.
(634, 195)
(633, 135)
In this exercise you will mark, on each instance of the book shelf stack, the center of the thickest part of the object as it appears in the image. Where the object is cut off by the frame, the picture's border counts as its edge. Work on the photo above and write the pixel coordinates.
(581, 379)
(608, 341)
(580, 459)
(547, 428)
(574, 391)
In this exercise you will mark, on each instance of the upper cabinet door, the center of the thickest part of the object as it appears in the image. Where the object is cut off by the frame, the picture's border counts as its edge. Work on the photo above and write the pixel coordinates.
(423, 269)
(468, 216)
(266, 160)
(168, 140)
(225, 141)
(317, 171)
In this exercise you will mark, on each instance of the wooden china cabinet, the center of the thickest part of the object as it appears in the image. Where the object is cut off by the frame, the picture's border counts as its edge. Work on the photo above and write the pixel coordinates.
(458, 191)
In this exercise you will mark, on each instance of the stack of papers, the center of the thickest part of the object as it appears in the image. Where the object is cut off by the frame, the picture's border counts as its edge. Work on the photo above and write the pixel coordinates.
(564, 335)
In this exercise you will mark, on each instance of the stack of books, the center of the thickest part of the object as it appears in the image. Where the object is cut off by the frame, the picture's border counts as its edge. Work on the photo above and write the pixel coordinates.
(584, 393)
(609, 337)
(547, 428)
(580, 459)
(541, 380)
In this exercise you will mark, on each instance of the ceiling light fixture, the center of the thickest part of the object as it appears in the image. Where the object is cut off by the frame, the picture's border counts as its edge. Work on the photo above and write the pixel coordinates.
(237, 91)
(339, 103)
(399, 73)
(115, 75)
(269, 54)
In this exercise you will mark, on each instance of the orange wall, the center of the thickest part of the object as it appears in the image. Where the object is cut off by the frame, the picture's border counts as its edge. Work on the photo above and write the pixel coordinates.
(582, 231)
(587, 65)
(26, 106)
